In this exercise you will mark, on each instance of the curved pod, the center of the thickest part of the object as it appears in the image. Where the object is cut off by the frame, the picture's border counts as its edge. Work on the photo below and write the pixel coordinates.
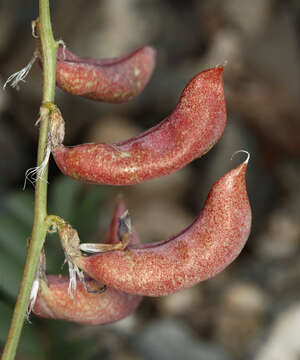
(87, 308)
(115, 80)
(199, 252)
(191, 130)
(54, 301)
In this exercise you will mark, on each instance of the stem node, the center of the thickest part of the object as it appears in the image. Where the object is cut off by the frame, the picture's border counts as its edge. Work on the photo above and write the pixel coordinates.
(40, 228)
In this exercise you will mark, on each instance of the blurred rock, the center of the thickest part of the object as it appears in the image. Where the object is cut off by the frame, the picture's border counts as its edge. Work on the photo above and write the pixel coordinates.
(265, 95)
(170, 188)
(125, 327)
(245, 297)
(171, 340)
(288, 174)
(111, 129)
(182, 302)
(283, 342)
(280, 237)
(251, 17)
(275, 54)
(240, 317)
(282, 279)
(271, 111)
(119, 18)
(158, 220)
(112, 341)
(113, 27)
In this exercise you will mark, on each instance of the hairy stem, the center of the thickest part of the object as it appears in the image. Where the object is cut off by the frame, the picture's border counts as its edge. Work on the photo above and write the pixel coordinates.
(39, 230)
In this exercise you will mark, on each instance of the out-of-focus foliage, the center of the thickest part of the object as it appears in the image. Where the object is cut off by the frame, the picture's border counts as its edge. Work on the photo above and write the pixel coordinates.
(77, 204)
(31, 343)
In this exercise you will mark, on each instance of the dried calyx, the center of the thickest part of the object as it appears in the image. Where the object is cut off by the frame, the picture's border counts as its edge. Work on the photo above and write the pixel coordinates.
(91, 302)
(56, 128)
(124, 235)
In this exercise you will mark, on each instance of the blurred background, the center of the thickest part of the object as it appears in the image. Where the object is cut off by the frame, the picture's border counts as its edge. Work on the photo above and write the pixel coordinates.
(252, 309)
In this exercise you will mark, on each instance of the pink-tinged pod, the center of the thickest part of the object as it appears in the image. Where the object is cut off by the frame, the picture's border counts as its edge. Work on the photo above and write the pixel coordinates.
(191, 130)
(54, 302)
(98, 308)
(202, 250)
(115, 80)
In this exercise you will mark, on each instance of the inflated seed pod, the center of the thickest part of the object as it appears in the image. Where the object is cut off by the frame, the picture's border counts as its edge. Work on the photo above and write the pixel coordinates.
(54, 302)
(191, 130)
(202, 250)
(93, 306)
(114, 80)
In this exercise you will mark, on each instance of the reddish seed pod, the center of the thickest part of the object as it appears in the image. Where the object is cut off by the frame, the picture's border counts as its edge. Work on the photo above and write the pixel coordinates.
(192, 129)
(115, 80)
(54, 301)
(202, 250)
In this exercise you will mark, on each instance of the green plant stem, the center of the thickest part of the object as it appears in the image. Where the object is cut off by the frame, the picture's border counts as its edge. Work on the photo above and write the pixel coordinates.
(39, 230)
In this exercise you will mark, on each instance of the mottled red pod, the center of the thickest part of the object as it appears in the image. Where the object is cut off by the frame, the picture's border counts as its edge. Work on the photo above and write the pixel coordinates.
(54, 301)
(115, 80)
(192, 129)
(199, 252)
